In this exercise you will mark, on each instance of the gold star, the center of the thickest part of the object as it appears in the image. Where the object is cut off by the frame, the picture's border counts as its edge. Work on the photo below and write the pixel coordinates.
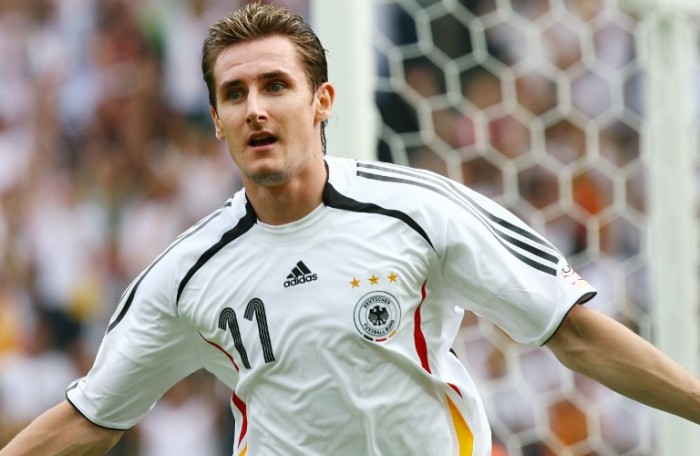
(355, 283)
(374, 280)
(392, 277)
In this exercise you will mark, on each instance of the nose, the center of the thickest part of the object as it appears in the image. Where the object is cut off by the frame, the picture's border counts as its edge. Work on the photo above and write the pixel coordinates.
(256, 112)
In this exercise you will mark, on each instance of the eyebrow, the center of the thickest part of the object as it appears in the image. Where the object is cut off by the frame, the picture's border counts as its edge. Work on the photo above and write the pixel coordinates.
(227, 85)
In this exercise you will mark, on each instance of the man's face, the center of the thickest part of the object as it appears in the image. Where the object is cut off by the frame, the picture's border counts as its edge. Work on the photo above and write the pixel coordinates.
(266, 111)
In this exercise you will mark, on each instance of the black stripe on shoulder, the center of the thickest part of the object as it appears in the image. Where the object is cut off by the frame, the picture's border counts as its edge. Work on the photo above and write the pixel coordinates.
(243, 225)
(332, 198)
(136, 284)
(446, 183)
(446, 188)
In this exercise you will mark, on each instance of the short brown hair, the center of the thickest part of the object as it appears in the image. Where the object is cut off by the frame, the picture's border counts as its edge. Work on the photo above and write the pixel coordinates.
(255, 21)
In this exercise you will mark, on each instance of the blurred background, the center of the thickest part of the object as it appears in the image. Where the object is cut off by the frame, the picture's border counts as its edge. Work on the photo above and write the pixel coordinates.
(107, 153)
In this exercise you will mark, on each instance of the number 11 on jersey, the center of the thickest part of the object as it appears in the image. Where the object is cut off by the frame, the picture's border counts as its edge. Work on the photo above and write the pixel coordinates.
(228, 320)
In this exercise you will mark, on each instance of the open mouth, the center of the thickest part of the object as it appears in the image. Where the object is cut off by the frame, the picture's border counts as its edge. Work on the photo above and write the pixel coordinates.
(262, 140)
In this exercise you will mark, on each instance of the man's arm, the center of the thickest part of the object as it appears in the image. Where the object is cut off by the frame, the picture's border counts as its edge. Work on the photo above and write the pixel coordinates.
(62, 431)
(597, 346)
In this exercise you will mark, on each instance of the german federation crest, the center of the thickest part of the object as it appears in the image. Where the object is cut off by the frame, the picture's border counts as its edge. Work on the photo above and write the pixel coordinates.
(377, 316)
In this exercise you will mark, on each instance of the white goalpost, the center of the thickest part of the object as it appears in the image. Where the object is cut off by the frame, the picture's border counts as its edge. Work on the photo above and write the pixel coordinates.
(345, 29)
(671, 39)
(641, 241)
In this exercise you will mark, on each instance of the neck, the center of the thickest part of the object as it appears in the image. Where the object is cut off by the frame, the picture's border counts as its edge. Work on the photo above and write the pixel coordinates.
(291, 200)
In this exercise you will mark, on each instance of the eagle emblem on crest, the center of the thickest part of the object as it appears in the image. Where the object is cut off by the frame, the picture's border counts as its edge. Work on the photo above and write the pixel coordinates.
(377, 316)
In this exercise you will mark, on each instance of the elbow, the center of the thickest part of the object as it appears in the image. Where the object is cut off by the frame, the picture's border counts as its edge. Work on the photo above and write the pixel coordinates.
(573, 356)
(569, 343)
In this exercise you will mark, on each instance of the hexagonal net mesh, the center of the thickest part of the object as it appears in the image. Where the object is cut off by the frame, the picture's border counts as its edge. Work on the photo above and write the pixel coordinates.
(537, 104)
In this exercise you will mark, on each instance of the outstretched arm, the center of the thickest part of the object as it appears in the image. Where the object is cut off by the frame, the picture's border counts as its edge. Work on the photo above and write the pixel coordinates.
(62, 431)
(597, 346)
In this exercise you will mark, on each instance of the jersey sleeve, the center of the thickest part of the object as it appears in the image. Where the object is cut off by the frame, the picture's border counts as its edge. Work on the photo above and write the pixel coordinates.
(509, 274)
(146, 350)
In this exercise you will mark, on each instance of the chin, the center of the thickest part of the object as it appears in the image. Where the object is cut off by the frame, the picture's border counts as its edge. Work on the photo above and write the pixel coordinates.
(269, 179)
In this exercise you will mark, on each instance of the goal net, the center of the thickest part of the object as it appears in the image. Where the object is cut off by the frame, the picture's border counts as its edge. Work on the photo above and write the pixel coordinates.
(543, 106)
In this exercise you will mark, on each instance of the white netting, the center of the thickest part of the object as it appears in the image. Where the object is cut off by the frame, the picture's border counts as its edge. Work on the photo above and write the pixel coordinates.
(538, 104)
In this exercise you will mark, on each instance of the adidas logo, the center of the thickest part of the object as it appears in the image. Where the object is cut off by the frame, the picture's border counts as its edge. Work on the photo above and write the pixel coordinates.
(299, 275)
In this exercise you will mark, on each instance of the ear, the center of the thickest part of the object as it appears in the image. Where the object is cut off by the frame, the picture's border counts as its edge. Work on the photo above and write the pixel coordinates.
(325, 94)
(217, 123)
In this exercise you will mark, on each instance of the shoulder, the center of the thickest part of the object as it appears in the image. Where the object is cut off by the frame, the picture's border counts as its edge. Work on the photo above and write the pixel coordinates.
(161, 282)
(204, 234)
(391, 184)
(418, 198)
(415, 191)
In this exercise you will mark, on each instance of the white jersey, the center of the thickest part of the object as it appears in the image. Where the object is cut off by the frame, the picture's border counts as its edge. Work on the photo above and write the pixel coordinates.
(334, 332)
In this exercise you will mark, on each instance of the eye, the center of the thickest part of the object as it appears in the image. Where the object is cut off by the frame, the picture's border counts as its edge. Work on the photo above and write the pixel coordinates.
(277, 86)
(235, 95)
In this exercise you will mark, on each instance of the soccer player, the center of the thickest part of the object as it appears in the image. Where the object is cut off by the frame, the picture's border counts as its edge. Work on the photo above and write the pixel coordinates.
(327, 293)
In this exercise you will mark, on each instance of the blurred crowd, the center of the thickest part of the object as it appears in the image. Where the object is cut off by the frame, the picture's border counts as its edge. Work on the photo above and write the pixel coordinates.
(107, 153)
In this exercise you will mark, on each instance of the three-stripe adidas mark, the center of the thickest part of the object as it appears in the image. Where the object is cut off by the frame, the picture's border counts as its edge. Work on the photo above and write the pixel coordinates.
(300, 274)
